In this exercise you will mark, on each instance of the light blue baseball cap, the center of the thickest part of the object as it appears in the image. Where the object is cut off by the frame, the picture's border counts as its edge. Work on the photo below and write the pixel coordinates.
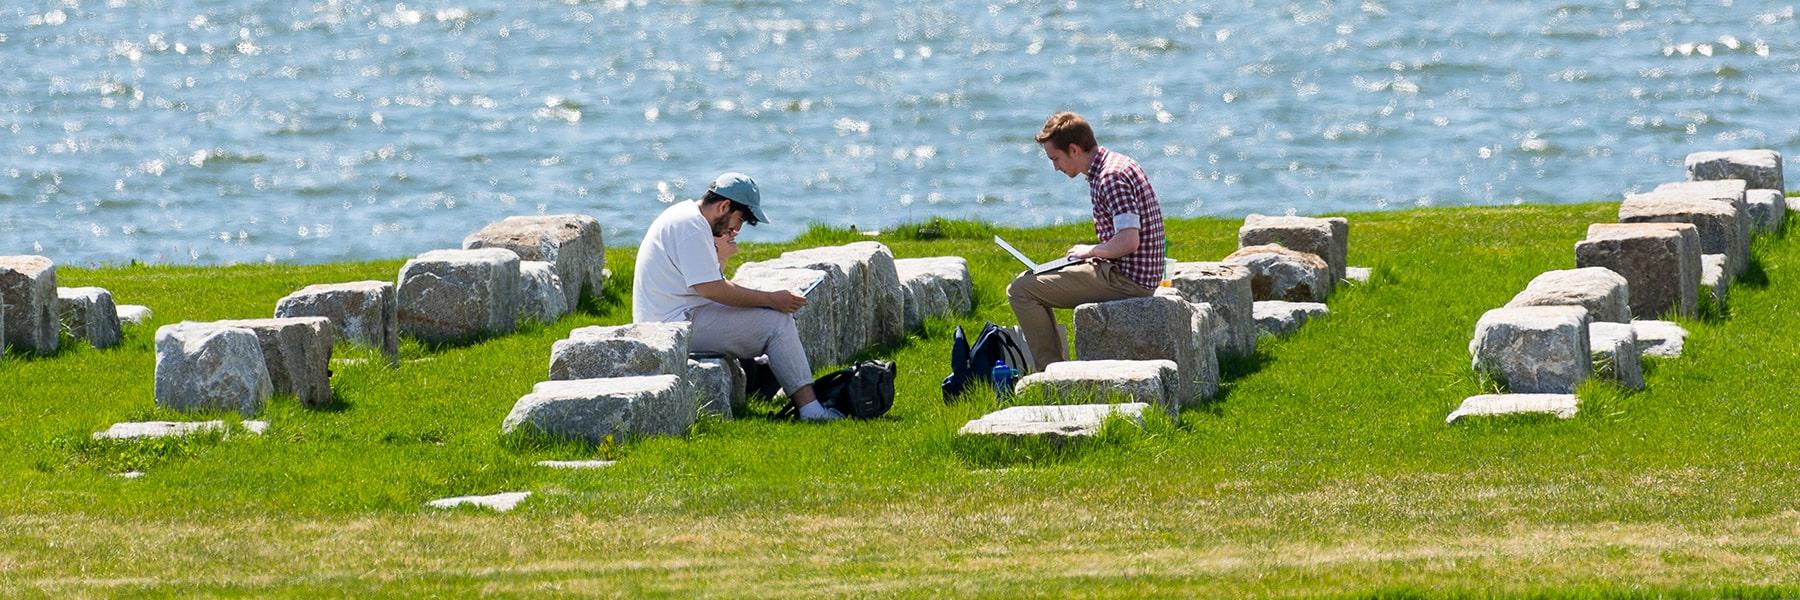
(740, 188)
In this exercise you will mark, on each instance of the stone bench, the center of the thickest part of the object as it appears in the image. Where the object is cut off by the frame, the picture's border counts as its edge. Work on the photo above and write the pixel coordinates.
(363, 312)
(1055, 423)
(1227, 288)
(297, 353)
(1327, 238)
(1280, 319)
(1278, 273)
(934, 286)
(453, 296)
(1768, 210)
(1561, 406)
(1717, 223)
(1533, 349)
(621, 351)
(820, 322)
(598, 410)
(1659, 261)
(28, 304)
(89, 314)
(1659, 338)
(1715, 279)
(1153, 382)
(869, 308)
(718, 385)
(1151, 328)
(541, 296)
(1605, 294)
(574, 244)
(207, 366)
(1760, 169)
(1729, 191)
(1615, 353)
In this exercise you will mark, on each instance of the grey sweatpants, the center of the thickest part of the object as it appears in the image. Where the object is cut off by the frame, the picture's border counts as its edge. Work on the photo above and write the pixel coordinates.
(752, 332)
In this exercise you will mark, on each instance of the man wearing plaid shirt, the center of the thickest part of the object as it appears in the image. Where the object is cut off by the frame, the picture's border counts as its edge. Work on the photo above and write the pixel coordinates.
(1128, 261)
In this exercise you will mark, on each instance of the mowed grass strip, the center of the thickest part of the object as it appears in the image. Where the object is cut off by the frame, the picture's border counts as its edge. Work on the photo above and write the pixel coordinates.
(1324, 467)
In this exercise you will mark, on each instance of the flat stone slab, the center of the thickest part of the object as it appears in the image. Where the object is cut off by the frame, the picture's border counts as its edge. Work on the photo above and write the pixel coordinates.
(573, 243)
(576, 464)
(541, 295)
(1227, 288)
(596, 410)
(1602, 292)
(1561, 406)
(1660, 338)
(621, 351)
(1052, 422)
(297, 353)
(88, 313)
(207, 366)
(500, 502)
(1153, 382)
(1533, 349)
(158, 429)
(1659, 261)
(1278, 273)
(1357, 274)
(1280, 318)
(458, 295)
(365, 313)
(134, 314)
(1760, 169)
(28, 306)
(1616, 354)
(1310, 235)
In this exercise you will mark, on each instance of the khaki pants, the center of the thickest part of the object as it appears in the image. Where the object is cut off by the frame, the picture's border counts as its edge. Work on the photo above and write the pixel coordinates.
(1033, 298)
(752, 332)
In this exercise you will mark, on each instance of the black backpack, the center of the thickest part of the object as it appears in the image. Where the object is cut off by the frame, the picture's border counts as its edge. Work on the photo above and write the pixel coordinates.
(976, 363)
(864, 390)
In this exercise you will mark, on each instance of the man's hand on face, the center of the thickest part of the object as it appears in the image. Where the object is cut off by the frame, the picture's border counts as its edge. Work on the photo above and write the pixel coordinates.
(1081, 251)
(786, 301)
(726, 245)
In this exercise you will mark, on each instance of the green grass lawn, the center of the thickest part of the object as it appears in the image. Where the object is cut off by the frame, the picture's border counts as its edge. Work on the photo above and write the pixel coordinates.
(1323, 468)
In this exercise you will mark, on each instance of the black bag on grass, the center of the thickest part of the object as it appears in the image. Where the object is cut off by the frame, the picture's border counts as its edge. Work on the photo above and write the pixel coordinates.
(975, 364)
(864, 390)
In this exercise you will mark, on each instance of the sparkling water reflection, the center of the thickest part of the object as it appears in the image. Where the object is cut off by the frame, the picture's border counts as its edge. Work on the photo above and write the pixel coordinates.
(338, 129)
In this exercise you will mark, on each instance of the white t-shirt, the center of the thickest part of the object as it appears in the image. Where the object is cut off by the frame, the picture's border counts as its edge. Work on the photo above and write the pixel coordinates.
(677, 254)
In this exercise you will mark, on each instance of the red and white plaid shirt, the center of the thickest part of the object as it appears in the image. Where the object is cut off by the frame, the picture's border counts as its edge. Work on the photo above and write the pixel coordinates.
(1123, 199)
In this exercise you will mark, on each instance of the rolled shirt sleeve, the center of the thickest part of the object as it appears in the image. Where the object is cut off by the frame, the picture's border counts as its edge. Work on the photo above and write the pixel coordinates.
(1124, 221)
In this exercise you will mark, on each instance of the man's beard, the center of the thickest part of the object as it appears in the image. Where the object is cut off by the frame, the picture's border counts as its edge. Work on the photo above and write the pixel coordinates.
(721, 224)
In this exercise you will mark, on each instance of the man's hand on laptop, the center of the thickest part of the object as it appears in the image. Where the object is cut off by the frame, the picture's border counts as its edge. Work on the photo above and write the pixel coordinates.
(1081, 251)
(786, 301)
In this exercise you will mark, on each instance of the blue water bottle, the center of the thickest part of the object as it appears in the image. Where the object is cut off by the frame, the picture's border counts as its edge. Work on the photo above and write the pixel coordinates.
(1003, 380)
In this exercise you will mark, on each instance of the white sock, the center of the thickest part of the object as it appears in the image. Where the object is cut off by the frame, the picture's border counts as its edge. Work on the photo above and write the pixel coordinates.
(813, 410)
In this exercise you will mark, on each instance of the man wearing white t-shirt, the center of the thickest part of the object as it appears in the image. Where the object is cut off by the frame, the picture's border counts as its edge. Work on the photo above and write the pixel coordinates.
(679, 278)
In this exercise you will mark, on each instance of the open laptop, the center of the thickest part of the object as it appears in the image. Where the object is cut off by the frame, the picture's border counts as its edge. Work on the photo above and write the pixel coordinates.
(1036, 268)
